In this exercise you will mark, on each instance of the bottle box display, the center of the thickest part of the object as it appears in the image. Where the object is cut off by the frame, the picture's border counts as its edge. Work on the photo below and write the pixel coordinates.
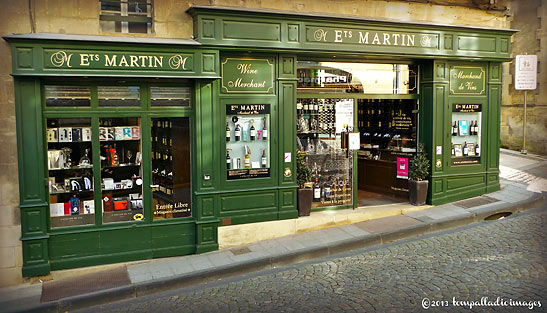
(247, 141)
(466, 134)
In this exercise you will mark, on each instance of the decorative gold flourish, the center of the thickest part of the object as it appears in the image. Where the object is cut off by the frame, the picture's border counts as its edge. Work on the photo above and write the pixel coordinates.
(178, 61)
(59, 59)
(426, 41)
(320, 34)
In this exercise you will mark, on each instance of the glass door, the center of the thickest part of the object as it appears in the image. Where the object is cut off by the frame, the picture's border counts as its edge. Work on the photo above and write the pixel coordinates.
(171, 174)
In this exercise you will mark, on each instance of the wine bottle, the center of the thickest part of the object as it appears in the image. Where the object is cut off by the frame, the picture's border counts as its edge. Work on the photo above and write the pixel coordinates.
(465, 149)
(115, 159)
(228, 135)
(253, 130)
(299, 106)
(228, 160)
(247, 158)
(476, 128)
(316, 190)
(264, 160)
(455, 129)
(453, 151)
(306, 106)
(477, 150)
(264, 131)
(237, 133)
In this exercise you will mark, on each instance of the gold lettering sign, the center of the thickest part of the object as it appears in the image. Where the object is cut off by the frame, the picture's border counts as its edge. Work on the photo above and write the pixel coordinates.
(247, 75)
(467, 80)
(372, 37)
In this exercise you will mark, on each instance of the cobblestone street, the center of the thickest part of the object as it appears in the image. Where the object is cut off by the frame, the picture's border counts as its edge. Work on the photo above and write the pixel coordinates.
(504, 258)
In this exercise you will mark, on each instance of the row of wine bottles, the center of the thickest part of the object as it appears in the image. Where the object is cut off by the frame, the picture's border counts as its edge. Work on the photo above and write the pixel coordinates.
(246, 134)
(235, 163)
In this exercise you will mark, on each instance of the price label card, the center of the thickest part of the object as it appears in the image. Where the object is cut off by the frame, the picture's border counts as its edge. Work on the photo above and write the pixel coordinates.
(287, 157)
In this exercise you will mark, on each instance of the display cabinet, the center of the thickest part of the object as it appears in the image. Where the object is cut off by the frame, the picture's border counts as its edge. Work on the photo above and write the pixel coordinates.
(321, 123)
(70, 169)
(247, 141)
(121, 172)
(466, 134)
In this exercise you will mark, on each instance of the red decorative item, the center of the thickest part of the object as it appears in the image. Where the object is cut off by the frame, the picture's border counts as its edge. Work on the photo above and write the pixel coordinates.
(107, 203)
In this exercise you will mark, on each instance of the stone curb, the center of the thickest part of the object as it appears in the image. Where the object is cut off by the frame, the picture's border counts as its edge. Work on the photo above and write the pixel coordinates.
(305, 254)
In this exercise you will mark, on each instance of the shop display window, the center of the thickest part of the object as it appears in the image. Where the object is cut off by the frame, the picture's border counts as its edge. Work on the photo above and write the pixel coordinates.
(67, 96)
(466, 134)
(321, 125)
(121, 171)
(119, 96)
(363, 78)
(70, 168)
(171, 175)
(247, 141)
(170, 96)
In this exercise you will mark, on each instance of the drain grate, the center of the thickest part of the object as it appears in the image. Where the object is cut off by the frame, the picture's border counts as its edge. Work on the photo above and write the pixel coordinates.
(474, 202)
(242, 250)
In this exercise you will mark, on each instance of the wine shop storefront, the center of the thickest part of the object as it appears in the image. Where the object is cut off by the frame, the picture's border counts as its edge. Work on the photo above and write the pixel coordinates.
(134, 149)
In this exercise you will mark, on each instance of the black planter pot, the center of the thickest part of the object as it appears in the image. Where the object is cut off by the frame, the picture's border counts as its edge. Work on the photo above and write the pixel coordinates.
(417, 191)
(304, 201)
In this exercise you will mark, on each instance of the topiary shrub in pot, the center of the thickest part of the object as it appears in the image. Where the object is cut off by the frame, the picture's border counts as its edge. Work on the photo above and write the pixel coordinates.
(417, 177)
(303, 175)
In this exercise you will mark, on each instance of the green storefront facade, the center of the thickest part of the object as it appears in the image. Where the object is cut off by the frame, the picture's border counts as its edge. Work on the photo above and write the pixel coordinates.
(147, 119)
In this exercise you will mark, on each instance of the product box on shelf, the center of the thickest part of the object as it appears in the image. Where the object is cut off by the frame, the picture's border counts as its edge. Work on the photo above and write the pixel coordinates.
(86, 134)
(56, 209)
(52, 135)
(89, 206)
(65, 134)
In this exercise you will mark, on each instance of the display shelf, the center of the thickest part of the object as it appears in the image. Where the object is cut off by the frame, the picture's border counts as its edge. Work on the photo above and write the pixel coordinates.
(72, 168)
(70, 192)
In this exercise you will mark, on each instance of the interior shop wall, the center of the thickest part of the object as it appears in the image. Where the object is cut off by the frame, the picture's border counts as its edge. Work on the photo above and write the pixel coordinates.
(529, 16)
(170, 20)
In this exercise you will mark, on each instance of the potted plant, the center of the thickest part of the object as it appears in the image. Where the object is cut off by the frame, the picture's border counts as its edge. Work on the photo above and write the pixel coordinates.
(305, 195)
(417, 177)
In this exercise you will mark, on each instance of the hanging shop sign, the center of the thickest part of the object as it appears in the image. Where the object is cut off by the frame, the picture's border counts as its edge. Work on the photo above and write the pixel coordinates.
(467, 80)
(109, 60)
(247, 75)
(371, 37)
(466, 108)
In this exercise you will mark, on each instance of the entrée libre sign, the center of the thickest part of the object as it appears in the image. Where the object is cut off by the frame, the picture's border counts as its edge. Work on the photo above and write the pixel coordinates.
(467, 80)
(73, 59)
(247, 75)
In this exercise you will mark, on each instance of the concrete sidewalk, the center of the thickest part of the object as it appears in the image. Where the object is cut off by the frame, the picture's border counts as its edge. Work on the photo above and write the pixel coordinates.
(86, 287)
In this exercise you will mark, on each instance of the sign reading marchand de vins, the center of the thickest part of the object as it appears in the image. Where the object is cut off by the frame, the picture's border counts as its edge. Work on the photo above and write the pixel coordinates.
(78, 59)
(247, 75)
(467, 80)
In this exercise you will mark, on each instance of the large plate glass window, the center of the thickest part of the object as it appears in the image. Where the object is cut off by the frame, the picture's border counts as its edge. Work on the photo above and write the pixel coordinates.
(121, 172)
(171, 175)
(119, 96)
(70, 168)
(67, 96)
(247, 141)
(170, 96)
(466, 134)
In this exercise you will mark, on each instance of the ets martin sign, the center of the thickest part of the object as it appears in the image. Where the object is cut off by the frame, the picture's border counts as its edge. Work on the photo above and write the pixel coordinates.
(371, 37)
(78, 60)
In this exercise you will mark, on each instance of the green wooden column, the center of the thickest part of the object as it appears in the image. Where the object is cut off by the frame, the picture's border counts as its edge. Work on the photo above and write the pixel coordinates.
(207, 167)
(494, 120)
(432, 132)
(287, 136)
(33, 182)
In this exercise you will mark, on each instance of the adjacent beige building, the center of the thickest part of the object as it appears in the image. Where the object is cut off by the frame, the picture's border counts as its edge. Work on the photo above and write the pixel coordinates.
(169, 20)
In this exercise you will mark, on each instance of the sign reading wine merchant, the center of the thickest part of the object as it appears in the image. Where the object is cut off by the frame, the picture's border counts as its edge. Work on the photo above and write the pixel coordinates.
(467, 80)
(247, 75)
(78, 59)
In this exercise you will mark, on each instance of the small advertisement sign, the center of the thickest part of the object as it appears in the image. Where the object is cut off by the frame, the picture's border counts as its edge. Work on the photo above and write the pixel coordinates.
(402, 168)
(526, 72)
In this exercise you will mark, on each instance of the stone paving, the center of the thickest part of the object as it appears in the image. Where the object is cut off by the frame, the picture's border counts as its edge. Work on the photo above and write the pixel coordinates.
(504, 258)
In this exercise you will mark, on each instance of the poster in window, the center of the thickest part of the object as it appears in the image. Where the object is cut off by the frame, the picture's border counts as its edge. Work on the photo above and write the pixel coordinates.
(458, 150)
(402, 168)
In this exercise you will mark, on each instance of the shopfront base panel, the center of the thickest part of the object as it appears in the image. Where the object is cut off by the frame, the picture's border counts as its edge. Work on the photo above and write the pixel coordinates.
(120, 245)
(453, 188)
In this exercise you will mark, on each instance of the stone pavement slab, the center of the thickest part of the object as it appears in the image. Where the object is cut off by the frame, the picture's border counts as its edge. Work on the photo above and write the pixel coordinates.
(387, 224)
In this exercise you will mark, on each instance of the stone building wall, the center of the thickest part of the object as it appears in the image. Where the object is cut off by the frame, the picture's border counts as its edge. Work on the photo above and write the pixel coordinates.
(171, 21)
(530, 17)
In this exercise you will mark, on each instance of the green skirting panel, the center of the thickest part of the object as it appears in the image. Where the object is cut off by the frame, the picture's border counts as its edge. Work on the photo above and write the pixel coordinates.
(248, 207)
(207, 236)
(35, 256)
(453, 188)
(288, 203)
(121, 245)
